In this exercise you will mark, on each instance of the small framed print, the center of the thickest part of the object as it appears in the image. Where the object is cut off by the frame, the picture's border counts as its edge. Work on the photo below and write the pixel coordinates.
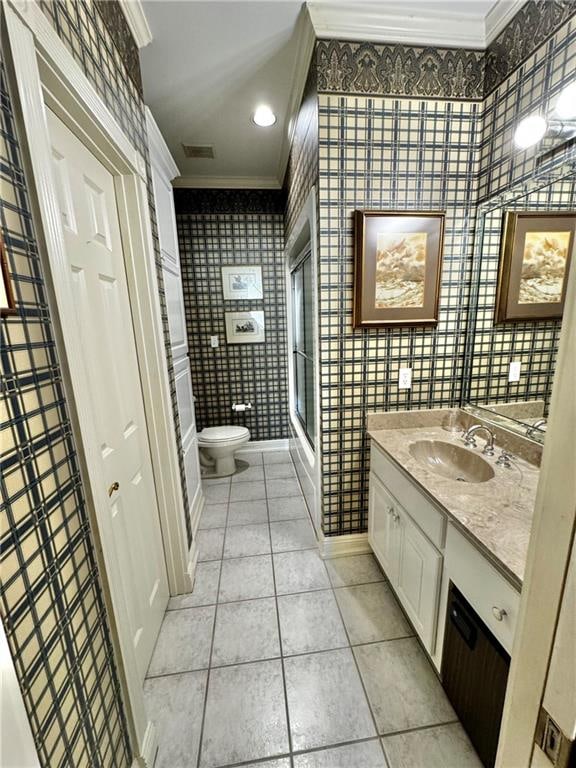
(242, 282)
(7, 302)
(535, 256)
(244, 327)
(398, 266)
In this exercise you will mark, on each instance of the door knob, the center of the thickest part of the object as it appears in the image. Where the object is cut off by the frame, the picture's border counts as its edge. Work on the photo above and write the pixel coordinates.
(113, 487)
(499, 613)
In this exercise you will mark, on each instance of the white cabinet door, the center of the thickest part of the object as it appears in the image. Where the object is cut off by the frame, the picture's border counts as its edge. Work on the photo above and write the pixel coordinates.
(419, 575)
(383, 528)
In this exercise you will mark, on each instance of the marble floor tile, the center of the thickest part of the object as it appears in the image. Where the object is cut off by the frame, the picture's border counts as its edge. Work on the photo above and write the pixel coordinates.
(210, 543)
(213, 516)
(207, 480)
(287, 508)
(254, 458)
(371, 613)
(245, 631)
(246, 512)
(299, 572)
(283, 470)
(205, 589)
(326, 701)
(403, 690)
(184, 641)
(246, 540)
(291, 535)
(246, 578)
(310, 622)
(364, 754)
(277, 457)
(446, 746)
(249, 474)
(217, 494)
(353, 569)
(175, 703)
(247, 491)
(280, 487)
(283, 762)
(245, 714)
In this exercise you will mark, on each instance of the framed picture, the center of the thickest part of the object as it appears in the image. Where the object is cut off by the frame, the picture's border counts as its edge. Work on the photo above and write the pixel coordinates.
(535, 254)
(244, 327)
(7, 302)
(398, 264)
(242, 282)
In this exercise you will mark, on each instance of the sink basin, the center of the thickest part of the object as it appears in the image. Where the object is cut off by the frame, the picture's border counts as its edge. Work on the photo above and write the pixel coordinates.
(451, 461)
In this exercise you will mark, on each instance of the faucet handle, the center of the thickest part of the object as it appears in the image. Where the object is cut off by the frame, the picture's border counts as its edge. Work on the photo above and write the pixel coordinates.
(469, 441)
(504, 460)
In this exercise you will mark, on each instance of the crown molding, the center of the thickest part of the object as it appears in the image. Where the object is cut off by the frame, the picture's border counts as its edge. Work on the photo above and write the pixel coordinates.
(499, 16)
(159, 152)
(137, 21)
(306, 42)
(226, 182)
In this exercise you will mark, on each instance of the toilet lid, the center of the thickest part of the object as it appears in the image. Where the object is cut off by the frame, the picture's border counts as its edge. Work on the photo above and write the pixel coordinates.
(222, 434)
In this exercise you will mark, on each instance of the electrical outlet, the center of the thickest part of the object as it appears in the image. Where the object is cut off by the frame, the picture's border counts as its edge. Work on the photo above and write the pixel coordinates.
(214, 341)
(405, 378)
(514, 372)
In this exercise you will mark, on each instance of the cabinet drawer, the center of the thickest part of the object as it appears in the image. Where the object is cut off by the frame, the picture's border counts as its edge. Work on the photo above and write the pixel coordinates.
(483, 586)
(430, 519)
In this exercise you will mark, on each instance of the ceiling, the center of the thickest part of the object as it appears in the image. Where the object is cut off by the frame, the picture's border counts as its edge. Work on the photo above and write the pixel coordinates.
(211, 62)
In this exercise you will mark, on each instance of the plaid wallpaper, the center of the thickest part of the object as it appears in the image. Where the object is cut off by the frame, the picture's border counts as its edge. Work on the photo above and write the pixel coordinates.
(255, 373)
(382, 151)
(51, 599)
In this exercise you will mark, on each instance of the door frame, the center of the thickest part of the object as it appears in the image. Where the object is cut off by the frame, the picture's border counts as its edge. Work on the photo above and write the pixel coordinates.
(47, 75)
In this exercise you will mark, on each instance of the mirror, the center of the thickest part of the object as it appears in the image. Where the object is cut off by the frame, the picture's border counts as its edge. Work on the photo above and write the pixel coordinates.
(509, 362)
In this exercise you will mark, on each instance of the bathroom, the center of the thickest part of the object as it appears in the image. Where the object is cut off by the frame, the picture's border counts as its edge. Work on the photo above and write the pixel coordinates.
(250, 515)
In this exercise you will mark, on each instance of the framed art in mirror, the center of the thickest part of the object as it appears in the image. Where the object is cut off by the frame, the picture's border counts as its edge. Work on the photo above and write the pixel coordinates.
(7, 302)
(398, 265)
(535, 256)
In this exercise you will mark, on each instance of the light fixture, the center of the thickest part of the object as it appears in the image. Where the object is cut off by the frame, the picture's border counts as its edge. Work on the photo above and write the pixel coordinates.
(530, 131)
(565, 108)
(263, 116)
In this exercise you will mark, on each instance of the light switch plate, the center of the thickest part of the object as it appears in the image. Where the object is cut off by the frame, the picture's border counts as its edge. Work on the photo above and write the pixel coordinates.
(405, 378)
(214, 342)
(514, 372)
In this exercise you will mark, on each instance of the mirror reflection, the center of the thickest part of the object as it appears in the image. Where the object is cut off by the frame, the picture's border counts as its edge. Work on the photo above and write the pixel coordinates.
(524, 245)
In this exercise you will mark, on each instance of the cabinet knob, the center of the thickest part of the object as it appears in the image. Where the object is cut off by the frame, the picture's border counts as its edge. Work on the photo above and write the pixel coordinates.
(390, 510)
(498, 613)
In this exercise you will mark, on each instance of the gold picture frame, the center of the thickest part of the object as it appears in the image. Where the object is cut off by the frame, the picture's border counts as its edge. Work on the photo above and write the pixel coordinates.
(7, 301)
(398, 267)
(535, 255)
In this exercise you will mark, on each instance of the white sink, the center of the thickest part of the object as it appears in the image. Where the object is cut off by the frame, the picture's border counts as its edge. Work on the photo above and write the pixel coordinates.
(451, 461)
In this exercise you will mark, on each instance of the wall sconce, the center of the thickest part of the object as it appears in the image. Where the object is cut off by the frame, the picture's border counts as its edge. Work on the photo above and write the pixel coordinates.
(560, 122)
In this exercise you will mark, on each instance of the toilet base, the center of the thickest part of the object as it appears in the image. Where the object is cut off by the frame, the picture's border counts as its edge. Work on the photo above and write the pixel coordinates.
(217, 466)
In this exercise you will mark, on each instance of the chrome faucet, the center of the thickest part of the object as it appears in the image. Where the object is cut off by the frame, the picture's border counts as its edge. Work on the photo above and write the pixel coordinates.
(470, 441)
(536, 426)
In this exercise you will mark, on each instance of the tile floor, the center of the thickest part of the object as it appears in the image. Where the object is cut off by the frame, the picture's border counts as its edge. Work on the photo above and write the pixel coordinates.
(278, 659)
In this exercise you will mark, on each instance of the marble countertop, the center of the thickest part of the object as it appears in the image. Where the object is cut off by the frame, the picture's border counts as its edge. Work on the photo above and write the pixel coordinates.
(496, 515)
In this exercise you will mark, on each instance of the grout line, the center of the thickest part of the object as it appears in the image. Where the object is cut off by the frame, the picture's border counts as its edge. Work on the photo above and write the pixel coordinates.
(418, 728)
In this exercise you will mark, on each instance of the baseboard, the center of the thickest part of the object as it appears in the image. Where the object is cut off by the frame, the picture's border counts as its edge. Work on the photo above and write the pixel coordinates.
(148, 748)
(192, 562)
(339, 546)
(264, 445)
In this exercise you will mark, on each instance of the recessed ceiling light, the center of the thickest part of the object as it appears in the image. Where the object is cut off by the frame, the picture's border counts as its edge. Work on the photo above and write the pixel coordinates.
(264, 117)
(566, 105)
(530, 131)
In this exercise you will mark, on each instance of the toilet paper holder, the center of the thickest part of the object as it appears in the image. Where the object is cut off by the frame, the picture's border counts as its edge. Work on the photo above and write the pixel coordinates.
(239, 407)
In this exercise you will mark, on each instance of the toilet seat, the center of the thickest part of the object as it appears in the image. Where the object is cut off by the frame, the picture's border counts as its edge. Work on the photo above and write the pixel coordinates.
(225, 434)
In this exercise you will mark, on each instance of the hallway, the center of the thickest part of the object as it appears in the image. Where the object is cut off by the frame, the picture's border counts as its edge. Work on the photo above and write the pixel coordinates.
(279, 654)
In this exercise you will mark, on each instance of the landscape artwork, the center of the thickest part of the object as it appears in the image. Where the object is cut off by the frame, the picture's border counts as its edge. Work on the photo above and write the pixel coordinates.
(535, 255)
(398, 267)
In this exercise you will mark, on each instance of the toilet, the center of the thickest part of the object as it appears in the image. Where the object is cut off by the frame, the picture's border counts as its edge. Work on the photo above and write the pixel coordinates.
(218, 446)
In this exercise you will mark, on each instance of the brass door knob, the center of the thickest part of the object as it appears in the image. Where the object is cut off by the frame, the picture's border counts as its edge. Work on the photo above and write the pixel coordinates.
(113, 487)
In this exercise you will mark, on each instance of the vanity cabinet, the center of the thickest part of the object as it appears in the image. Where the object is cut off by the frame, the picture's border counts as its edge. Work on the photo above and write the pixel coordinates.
(409, 559)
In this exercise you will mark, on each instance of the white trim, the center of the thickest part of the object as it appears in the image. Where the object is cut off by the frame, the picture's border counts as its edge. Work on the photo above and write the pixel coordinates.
(340, 546)
(159, 149)
(196, 508)
(17, 747)
(264, 446)
(137, 21)
(306, 43)
(46, 74)
(499, 16)
(226, 182)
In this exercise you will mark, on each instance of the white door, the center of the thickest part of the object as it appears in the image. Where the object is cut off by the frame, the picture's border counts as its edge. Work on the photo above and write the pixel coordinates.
(383, 528)
(114, 397)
